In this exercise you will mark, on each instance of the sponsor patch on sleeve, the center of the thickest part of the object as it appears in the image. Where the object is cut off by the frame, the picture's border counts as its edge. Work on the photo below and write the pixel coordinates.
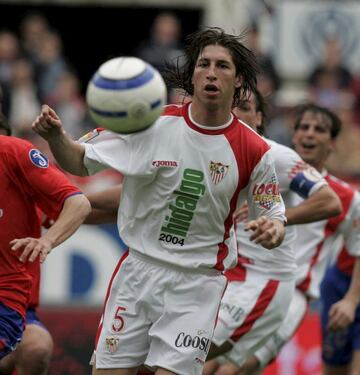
(267, 194)
(38, 158)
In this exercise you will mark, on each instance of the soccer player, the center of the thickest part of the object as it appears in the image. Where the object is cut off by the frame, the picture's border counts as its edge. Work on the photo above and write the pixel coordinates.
(29, 182)
(316, 129)
(262, 284)
(184, 177)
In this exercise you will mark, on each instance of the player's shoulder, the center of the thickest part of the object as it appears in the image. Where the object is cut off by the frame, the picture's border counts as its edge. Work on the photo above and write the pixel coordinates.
(338, 184)
(284, 156)
(280, 149)
(341, 187)
(14, 145)
(19, 151)
(173, 110)
(249, 135)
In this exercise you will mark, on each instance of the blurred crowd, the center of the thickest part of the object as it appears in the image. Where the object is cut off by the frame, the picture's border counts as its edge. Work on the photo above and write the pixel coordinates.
(34, 70)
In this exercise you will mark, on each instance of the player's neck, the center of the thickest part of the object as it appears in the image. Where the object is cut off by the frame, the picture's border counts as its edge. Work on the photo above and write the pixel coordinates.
(209, 116)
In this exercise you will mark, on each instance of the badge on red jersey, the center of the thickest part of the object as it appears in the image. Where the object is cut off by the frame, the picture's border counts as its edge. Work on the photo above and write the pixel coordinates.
(38, 158)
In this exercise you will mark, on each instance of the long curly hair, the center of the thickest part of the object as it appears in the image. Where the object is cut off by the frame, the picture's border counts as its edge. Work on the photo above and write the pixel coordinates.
(180, 75)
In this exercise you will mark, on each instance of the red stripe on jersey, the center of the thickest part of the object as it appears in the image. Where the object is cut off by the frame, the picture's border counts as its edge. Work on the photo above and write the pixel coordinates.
(238, 273)
(248, 148)
(346, 194)
(266, 296)
(122, 259)
(345, 262)
(185, 113)
(173, 110)
(304, 285)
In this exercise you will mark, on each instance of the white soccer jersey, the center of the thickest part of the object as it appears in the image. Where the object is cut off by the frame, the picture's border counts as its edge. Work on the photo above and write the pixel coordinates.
(182, 185)
(320, 241)
(296, 178)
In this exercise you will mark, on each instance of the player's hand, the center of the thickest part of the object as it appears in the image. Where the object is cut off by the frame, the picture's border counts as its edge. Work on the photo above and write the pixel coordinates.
(341, 314)
(228, 368)
(48, 123)
(251, 366)
(242, 213)
(32, 248)
(267, 232)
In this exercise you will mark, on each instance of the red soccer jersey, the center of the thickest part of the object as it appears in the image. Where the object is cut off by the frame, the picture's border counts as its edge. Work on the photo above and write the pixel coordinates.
(28, 181)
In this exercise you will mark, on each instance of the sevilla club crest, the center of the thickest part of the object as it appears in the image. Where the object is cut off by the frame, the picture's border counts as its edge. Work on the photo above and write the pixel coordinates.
(218, 171)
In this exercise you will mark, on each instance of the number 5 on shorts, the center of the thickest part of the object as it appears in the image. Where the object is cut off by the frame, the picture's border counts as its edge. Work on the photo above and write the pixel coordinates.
(118, 321)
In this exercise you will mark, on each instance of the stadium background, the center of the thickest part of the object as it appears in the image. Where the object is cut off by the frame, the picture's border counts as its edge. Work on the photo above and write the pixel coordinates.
(292, 35)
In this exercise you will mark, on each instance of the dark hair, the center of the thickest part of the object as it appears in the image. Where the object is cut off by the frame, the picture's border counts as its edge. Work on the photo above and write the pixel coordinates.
(4, 124)
(335, 122)
(260, 106)
(180, 76)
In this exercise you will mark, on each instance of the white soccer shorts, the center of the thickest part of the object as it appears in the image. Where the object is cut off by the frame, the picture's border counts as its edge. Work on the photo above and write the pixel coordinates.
(292, 321)
(250, 312)
(158, 315)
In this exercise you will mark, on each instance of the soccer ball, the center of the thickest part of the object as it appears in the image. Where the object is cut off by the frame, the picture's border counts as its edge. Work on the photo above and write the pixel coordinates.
(126, 95)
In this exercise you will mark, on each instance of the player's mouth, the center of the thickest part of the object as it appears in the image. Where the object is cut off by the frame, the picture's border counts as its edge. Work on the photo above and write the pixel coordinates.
(211, 89)
(308, 145)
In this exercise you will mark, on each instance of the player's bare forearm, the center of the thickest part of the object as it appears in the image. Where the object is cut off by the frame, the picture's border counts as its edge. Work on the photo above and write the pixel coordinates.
(342, 313)
(267, 232)
(354, 289)
(104, 205)
(97, 216)
(108, 199)
(74, 212)
(68, 153)
(321, 205)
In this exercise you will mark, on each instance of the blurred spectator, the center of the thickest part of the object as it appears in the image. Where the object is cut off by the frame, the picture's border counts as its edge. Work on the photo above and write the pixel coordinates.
(68, 102)
(33, 29)
(24, 103)
(355, 88)
(50, 64)
(268, 79)
(9, 52)
(345, 160)
(280, 127)
(164, 45)
(330, 77)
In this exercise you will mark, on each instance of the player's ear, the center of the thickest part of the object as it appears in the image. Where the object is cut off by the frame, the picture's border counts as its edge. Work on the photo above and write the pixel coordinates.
(332, 146)
(238, 81)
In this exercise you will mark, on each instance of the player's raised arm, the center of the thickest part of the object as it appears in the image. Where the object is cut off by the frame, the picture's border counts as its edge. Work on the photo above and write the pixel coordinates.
(68, 153)
(322, 205)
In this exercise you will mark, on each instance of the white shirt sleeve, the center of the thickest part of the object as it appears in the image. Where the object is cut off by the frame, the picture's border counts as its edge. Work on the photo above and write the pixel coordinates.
(351, 227)
(294, 174)
(263, 194)
(128, 154)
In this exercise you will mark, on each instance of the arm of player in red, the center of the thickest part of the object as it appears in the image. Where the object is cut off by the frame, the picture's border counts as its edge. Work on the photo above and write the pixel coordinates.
(74, 212)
